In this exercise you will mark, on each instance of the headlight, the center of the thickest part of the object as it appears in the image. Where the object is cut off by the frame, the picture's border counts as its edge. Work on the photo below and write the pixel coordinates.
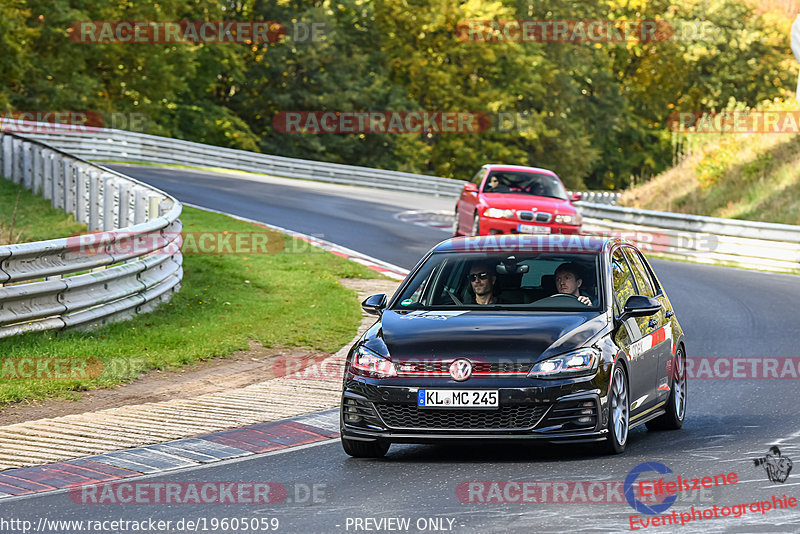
(368, 363)
(497, 213)
(568, 219)
(577, 363)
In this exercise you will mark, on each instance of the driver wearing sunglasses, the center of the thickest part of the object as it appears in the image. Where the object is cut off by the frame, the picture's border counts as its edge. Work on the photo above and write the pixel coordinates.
(482, 279)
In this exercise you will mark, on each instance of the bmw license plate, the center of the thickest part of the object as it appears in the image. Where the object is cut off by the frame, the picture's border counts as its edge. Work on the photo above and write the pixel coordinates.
(532, 229)
(457, 398)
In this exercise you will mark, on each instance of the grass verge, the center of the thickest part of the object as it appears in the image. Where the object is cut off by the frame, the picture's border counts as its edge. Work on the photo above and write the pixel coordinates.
(27, 217)
(290, 298)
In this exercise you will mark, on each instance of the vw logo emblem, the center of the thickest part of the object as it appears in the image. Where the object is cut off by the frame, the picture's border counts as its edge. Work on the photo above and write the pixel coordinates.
(460, 370)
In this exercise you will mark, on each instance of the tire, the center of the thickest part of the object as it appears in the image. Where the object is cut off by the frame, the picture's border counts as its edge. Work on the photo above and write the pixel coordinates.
(365, 449)
(456, 233)
(676, 403)
(476, 224)
(619, 412)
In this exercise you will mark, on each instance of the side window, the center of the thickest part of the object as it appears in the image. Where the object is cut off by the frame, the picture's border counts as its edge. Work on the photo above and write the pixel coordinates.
(622, 278)
(640, 273)
(478, 177)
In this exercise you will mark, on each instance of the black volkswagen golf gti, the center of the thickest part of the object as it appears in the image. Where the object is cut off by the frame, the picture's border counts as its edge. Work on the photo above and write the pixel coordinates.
(517, 337)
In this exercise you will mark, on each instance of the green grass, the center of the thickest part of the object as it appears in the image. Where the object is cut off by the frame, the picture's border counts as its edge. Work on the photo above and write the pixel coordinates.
(291, 298)
(35, 219)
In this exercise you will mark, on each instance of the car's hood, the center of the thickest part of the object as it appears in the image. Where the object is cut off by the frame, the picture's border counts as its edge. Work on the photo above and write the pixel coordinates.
(528, 202)
(485, 335)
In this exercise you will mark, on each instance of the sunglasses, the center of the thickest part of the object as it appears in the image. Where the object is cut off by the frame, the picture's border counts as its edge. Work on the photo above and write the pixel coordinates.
(477, 276)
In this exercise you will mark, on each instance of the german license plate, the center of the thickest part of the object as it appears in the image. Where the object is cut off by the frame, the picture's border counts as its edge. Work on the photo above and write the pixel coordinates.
(532, 229)
(457, 398)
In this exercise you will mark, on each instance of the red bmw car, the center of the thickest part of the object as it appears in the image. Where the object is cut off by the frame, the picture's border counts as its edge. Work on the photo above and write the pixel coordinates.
(509, 199)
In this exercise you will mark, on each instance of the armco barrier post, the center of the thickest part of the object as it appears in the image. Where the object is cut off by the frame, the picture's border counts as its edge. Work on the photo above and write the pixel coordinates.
(16, 168)
(47, 173)
(68, 172)
(94, 201)
(58, 182)
(139, 206)
(80, 193)
(27, 165)
(152, 207)
(109, 191)
(124, 205)
(3, 158)
(37, 153)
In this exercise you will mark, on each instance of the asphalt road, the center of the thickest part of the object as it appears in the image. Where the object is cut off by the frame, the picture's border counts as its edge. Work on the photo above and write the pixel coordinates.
(725, 312)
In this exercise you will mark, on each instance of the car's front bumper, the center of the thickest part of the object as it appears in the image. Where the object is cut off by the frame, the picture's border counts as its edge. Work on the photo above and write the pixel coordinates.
(490, 225)
(371, 412)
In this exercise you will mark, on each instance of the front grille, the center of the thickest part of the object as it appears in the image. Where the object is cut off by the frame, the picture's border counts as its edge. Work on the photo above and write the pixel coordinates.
(538, 216)
(443, 367)
(525, 215)
(409, 416)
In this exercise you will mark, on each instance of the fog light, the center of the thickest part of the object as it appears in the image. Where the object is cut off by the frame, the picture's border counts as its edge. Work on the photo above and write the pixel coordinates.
(352, 418)
(585, 420)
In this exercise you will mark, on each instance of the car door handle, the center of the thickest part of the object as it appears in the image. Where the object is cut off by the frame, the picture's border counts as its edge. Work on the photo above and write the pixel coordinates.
(652, 323)
(669, 313)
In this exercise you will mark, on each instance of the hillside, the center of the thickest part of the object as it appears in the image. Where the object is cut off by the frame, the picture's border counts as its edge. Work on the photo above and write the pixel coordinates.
(740, 176)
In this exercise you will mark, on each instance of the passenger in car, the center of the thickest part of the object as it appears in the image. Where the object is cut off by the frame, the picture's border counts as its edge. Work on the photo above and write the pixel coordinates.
(569, 280)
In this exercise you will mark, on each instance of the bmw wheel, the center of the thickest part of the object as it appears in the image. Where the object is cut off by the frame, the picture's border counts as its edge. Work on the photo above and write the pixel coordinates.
(619, 412)
(676, 403)
(476, 225)
(456, 233)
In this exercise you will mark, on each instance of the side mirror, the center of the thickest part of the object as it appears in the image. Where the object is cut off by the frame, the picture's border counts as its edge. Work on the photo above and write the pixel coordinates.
(375, 304)
(575, 197)
(639, 306)
(469, 187)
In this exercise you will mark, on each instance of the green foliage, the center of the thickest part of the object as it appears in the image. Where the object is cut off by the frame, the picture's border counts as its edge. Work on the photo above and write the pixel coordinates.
(596, 113)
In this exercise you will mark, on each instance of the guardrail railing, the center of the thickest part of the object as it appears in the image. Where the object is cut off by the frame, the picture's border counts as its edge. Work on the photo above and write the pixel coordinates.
(750, 244)
(130, 262)
(703, 239)
(119, 145)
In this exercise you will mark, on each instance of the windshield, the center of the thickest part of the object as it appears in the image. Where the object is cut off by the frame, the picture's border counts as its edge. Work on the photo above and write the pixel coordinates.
(544, 281)
(525, 183)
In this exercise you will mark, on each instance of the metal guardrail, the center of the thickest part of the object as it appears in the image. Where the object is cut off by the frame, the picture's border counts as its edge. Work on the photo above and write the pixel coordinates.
(702, 239)
(119, 145)
(750, 244)
(128, 264)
